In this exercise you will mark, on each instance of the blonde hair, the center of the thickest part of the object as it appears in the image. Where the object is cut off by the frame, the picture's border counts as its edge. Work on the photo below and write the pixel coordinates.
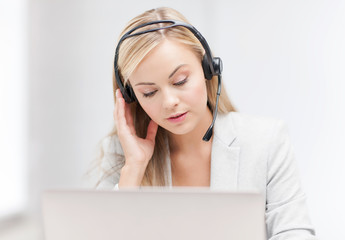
(131, 53)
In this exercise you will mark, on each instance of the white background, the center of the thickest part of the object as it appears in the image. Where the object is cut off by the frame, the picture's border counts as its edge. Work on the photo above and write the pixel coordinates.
(282, 59)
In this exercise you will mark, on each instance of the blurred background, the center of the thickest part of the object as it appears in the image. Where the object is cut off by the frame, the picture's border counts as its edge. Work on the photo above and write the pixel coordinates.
(282, 59)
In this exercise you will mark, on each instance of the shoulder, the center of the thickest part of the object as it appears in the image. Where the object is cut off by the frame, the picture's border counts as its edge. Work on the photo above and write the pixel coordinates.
(252, 122)
(111, 145)
(112, 160)
(113, 156)
(249, 128)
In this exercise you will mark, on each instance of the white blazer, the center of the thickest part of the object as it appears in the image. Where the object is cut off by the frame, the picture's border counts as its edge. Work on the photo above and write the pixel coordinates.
(251, 153)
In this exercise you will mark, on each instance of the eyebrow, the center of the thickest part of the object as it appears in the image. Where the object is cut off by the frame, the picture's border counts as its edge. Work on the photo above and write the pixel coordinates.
(171, 74)
(177, 68)
(144, 83)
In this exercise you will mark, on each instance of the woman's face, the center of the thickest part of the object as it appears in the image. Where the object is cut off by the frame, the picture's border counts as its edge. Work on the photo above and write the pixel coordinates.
(170, 86)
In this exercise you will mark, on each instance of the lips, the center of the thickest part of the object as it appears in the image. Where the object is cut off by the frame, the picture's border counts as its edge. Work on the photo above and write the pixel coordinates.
(179, 117)
(176, 115)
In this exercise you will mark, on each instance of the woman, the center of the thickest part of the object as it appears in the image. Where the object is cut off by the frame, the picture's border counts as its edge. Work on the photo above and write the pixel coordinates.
(165, 70)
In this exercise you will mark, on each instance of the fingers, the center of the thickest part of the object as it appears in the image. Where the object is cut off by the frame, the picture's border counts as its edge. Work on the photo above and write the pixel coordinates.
(124, 119)
(151, 131)
(119, 113)
(122, 114)
(129, 118)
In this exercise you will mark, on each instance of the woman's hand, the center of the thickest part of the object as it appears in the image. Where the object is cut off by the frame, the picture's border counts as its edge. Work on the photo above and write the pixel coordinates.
(137, 151)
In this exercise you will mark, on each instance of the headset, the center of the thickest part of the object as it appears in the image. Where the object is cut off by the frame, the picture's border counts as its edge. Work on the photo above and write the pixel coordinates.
(212, 66)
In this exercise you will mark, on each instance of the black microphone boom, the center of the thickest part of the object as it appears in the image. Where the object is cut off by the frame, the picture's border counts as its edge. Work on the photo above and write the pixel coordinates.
(209, 131)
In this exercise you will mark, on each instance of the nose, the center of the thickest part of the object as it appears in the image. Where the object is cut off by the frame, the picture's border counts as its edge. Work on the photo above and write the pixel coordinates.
(170, 99)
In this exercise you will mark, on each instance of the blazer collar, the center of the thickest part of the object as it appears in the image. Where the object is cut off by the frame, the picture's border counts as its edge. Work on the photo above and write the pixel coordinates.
(225, 155)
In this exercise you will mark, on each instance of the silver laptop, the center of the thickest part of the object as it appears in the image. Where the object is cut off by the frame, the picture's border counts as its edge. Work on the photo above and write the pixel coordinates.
(153, 214)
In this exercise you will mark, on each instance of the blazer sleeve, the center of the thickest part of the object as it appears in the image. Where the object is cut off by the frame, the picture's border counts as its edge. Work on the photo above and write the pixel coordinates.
(286, 210)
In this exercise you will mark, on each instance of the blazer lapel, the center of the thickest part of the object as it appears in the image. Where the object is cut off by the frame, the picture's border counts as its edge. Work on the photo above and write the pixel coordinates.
(224, 156)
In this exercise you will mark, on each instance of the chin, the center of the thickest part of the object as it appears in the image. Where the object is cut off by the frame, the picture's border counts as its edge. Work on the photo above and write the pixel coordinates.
(180, 130)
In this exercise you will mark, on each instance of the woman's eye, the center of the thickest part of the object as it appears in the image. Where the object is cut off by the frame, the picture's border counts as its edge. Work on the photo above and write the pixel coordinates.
(149, 94)
(181, 82)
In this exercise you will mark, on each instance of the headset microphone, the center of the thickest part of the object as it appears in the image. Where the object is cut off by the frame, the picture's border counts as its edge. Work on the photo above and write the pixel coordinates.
(212, 66)
(209, 131)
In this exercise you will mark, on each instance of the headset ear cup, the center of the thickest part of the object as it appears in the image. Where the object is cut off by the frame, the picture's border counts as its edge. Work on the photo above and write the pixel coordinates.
(217, 65)
(132, 94)
(128, 94)
(206, 68)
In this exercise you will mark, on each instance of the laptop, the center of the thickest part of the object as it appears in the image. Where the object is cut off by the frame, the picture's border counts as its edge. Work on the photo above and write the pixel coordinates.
(153, 214)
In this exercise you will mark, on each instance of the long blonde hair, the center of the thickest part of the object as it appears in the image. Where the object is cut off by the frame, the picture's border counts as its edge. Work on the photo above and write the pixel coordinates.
(131, 53)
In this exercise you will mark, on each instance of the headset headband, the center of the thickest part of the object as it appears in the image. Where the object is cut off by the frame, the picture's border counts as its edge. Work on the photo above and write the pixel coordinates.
(174, 23)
